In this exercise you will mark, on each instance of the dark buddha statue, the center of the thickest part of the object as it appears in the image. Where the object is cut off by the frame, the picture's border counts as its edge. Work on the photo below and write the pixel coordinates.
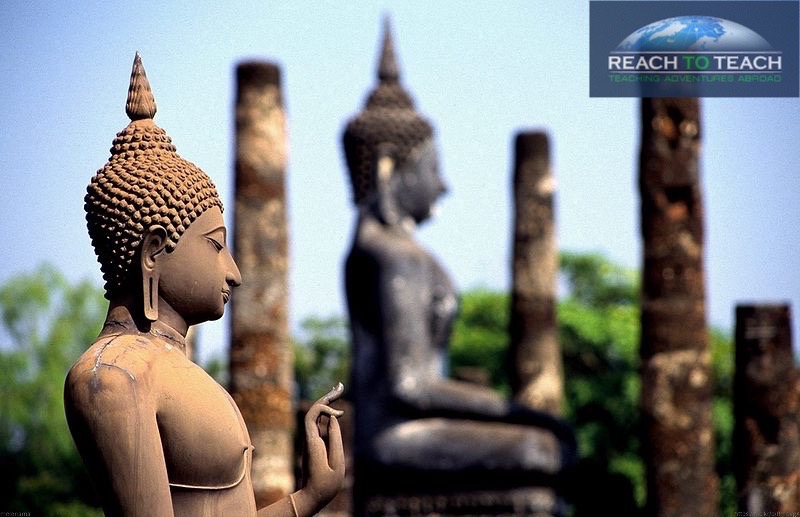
(413, 424)
(158, 435)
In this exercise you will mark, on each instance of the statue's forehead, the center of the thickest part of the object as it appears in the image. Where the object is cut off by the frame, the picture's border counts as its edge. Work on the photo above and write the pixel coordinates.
(426, 150)
(209, 221)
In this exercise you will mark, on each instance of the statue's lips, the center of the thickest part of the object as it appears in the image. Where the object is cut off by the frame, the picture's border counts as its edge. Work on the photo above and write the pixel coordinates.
(226, 295)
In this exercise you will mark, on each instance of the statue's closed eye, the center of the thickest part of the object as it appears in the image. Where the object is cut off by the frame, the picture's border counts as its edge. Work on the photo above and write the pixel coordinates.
(214, 242)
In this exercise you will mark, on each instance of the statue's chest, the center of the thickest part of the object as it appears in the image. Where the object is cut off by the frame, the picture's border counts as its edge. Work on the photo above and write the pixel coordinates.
(443, 303)
(203, 436)
(443, 291)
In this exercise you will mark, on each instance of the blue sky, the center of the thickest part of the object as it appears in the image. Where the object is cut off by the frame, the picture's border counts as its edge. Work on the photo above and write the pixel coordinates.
(481, 71)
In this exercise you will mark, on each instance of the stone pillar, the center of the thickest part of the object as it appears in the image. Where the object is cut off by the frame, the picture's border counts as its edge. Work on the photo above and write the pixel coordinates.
(537, 369)
(766, 392)
(676, 373)
(261, 370)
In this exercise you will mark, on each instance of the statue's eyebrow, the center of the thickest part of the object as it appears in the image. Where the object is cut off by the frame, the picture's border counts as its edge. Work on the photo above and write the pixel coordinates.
(218, 229)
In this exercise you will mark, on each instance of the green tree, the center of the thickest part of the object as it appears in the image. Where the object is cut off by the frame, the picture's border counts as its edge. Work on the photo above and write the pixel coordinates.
(322, 356)
(722, 357)
(480, 336)
(598, 318)
(599, 335)
(47, 324)
(598, 327)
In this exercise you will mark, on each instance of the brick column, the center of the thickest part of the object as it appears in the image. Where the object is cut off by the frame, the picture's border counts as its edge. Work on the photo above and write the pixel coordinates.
(537, 369)
(676, 370)
(261, 369)
(766, 389)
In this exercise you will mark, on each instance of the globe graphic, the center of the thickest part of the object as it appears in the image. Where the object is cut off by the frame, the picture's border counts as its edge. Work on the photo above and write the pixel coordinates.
(698, 33)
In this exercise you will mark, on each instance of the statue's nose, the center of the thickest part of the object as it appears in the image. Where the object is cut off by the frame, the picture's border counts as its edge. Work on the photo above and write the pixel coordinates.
(233, 277)
(443, 187)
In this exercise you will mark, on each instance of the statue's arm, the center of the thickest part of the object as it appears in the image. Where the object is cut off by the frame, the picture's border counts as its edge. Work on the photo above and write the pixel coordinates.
(324, 463)
(113, 421)
(407, 335)
(405, 329)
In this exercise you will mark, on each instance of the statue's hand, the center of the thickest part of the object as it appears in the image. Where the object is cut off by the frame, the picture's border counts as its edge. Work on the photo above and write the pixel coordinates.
(324, 460)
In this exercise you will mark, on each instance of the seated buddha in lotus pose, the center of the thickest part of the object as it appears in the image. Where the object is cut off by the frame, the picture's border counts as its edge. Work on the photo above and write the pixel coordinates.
(409, 415)
(159, 436)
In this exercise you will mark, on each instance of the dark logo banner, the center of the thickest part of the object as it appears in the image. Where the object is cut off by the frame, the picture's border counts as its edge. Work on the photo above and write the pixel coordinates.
(694, 49)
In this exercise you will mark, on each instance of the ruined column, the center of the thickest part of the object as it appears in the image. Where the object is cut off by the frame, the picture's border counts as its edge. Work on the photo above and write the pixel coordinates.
(261, 369)
(766, 389)
(676, 373)
(537, 369)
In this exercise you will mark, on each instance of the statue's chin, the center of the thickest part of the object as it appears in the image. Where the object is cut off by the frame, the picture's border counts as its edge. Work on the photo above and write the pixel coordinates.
(209, 316)
(433, 212)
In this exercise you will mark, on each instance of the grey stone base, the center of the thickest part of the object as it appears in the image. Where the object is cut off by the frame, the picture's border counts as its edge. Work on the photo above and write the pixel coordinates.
(517, 502)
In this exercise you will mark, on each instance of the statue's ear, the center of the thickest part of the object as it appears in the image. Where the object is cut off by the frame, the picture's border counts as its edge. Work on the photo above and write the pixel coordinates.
(153, 244)
(384, 177)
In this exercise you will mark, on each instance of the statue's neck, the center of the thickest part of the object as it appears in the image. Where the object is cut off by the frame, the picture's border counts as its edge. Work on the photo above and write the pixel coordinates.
(123, 317)
(395, 222)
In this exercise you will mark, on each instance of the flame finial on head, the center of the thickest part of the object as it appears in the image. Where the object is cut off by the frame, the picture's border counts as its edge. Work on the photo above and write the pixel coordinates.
(141, 103)
(388, 71)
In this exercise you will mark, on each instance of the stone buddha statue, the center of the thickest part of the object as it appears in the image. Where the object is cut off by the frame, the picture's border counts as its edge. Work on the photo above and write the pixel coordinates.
(158, 435)
(413, 424)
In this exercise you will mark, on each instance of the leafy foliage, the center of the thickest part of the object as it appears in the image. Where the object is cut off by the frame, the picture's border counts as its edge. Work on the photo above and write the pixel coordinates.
(599, 336)
(480, 335)
(47, 323)
(598, 318)
(598, 325)
(594, 281)
(722, 357)
(322, 356)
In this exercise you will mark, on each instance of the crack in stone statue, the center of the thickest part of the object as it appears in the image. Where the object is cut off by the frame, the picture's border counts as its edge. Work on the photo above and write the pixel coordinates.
(158, 435)
(417, 430)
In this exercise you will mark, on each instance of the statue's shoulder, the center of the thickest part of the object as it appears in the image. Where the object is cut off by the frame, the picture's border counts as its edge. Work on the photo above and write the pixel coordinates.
(112, 361)
(386, 246)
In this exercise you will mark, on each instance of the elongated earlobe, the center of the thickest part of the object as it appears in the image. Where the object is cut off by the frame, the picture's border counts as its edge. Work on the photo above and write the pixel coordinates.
(150, 294)
(152, 245)
(387, 208)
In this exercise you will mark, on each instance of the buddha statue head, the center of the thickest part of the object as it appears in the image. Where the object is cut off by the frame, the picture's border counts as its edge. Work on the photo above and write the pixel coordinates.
(389, 148)
(150, 212)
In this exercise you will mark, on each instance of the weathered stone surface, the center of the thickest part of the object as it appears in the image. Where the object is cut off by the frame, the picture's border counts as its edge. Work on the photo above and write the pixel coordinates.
(260, 355)
(676, 366)
(537, 372)
(767, 411)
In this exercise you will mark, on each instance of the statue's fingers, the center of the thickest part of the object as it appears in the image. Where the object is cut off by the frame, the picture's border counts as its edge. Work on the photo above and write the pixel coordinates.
(332, 395)
(335, 447)
(315, 445)
(311, 418)
(327, 410)
(313, 415)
